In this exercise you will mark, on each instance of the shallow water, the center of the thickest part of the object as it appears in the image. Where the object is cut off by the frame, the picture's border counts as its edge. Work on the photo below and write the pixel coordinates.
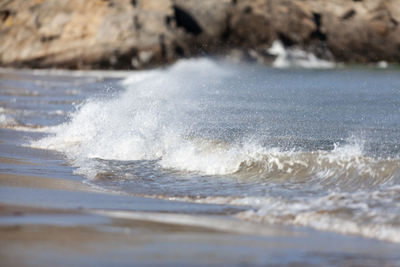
(317, 148)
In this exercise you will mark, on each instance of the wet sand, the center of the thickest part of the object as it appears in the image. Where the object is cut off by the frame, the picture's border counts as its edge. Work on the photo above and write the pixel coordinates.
(35, 238)
(13, 180)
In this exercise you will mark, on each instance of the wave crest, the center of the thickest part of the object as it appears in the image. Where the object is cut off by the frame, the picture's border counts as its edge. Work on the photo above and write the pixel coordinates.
(153, 117)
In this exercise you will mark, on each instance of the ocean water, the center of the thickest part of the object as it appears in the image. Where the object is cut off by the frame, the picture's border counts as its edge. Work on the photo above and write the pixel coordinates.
(314, 148)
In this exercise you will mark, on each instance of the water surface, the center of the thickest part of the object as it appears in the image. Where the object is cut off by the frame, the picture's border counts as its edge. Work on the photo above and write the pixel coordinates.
(316, 148)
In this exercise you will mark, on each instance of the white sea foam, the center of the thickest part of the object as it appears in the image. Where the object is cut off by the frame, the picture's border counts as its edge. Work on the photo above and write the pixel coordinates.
(294, 57)
(355, 213)
(147, 121)
(6, 119)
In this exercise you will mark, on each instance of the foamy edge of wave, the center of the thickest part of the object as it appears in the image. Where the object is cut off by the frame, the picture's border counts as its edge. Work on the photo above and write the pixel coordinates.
(331, 224)
(274, 210)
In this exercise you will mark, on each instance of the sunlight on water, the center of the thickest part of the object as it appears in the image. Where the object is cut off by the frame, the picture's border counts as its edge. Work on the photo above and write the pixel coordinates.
(300, 147)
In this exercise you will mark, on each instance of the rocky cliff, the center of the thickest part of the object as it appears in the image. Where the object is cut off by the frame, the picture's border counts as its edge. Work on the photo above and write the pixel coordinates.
(142, 33)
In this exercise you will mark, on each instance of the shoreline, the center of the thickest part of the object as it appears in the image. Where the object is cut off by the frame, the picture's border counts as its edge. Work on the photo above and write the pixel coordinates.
(40, 235)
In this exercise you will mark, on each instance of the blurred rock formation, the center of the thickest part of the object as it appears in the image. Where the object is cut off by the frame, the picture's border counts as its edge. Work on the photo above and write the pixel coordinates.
(132, 34)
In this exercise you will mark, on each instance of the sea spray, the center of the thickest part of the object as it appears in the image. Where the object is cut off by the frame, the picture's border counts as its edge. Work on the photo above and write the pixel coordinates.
(295, 151)
(156, 117)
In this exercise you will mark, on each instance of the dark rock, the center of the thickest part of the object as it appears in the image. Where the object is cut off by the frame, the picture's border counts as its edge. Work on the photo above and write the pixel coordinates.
(186, 21)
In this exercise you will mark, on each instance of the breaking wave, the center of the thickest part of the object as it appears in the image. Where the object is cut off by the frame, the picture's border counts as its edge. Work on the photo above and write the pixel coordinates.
(155, 118)
(164, 116)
